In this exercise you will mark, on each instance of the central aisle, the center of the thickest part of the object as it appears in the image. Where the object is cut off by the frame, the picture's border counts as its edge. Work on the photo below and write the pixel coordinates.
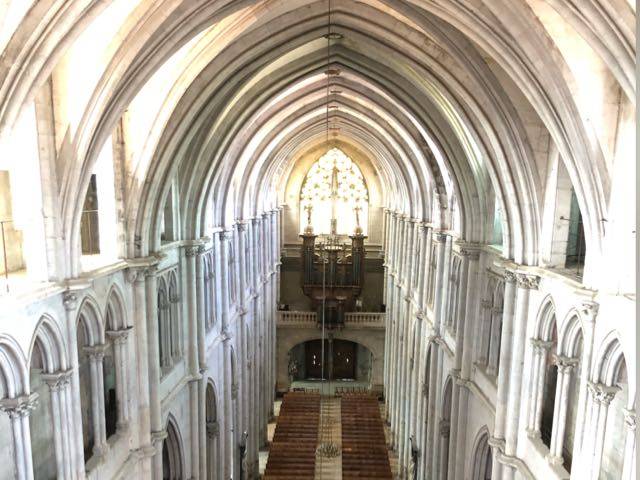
(330, 431)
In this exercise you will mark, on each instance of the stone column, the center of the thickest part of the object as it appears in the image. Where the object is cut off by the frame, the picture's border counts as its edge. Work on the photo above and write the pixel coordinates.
(202, 361)
(525, 284)
(145, 448)
(494, 343)
(19, 410)
(158, 432)
(457, 361)
(629, 467)
(565, 368)
(193, 256)
(439, 294)
(444, 431)
(504, 362)
(120, 339)
(482, 340)
(59, 387)
(538, 365)
(96, 357)
(70, 302)
(600, 397)
(467, 335)
(213, 433)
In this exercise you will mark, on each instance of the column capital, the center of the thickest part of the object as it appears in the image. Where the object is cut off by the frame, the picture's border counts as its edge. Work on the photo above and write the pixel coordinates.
(70, 301)
(484, 303)
(497, 444)
(440, 237)
(225, 335)
(509, 276)
(119, 336)
(601, 393)
(95, 352)
(21, 406)
(629, 419)
(589, 310)
(528, 281)
(193, 250)
(564, 364)
(57, 380)
(424, 389)
(213, 429)
(540, 346)
(445, 428)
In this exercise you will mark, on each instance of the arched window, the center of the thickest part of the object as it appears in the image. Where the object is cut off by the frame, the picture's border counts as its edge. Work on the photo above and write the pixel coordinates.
(213, 431)
(445, 428)
(452, 300)
(482, 458)
(175, 325)
(172, 458)
(334, 189)
(91, 351)
(543, 375)
(431, 279)
(163, 325)
(612, 395)
(207, 272)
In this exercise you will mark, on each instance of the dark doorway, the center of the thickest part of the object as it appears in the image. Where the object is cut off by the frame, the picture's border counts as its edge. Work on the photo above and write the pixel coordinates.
(340, 359)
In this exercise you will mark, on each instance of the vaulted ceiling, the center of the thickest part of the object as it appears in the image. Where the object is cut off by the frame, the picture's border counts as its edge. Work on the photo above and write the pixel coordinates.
(457, 103)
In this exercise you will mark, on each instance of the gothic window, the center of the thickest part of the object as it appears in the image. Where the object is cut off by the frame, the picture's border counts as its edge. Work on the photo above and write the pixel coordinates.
(576, 245)
(496, 239)
(334, 188)
(550, 373)
(212, 429)
(482, 459)
(163, 324)
(169, 321)
(40, 420)
(431, 280)
(616, 431)
(207, 272)
(231, 271)
(452, 301)
(572, 402)
(175, 325)
(544, 375)
(167, 224)
(89, 226)
(172, 457)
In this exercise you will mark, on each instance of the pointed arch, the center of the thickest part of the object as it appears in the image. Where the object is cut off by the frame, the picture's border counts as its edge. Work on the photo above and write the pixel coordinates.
(481, 459)
(90, 321)
(115, 314)
(172, 451)
(51, 343)
(545, 319)
(14, 377)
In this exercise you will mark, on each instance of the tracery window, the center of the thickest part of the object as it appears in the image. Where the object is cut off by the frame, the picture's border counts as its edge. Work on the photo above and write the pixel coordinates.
(334, 189)
(452, 301)
(169, 324)
(207, 271)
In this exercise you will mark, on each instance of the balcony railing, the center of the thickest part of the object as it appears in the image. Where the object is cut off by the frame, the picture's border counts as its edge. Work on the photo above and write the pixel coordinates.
(309, 319)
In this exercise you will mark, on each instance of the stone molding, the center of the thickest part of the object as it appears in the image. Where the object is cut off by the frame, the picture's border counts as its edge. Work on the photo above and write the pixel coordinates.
(21, 406)
(601, 393)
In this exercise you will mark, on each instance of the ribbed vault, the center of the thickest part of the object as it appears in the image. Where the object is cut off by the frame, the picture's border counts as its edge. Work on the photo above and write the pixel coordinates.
(421, 90)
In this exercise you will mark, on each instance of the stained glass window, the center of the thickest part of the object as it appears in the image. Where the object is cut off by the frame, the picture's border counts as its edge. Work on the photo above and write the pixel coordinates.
(334, 188)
